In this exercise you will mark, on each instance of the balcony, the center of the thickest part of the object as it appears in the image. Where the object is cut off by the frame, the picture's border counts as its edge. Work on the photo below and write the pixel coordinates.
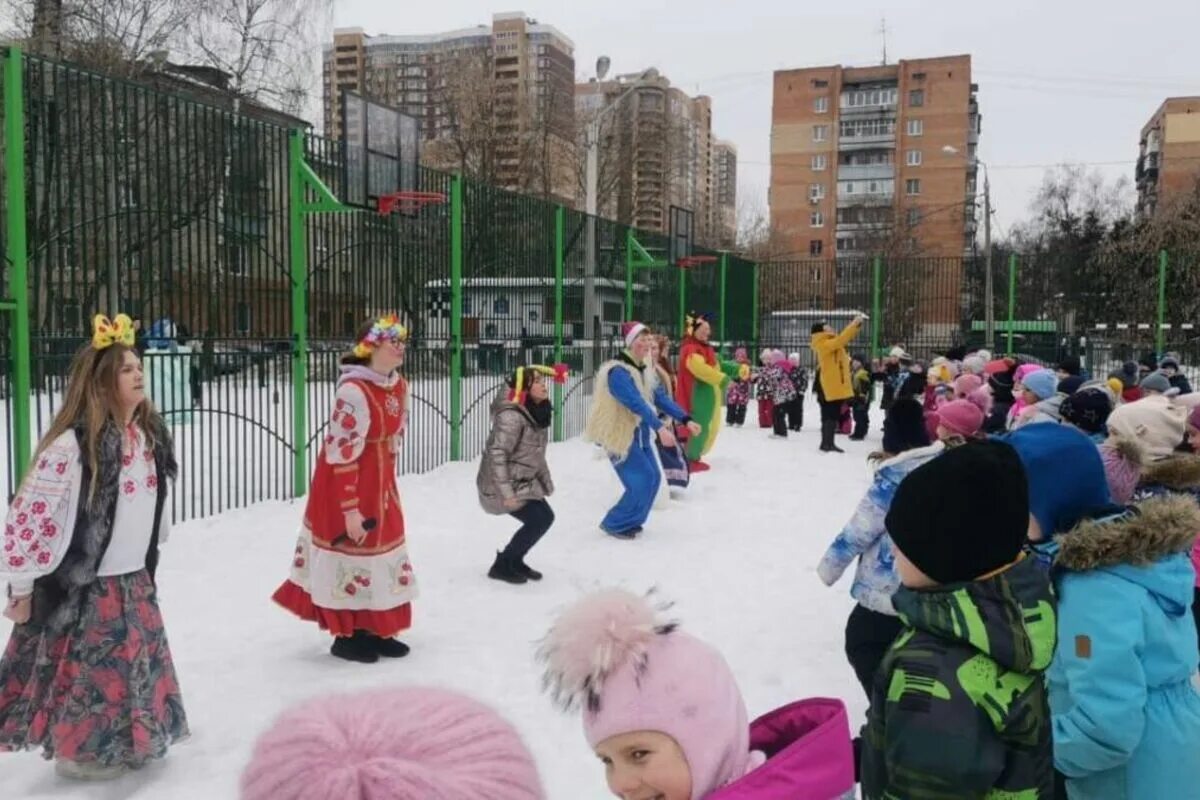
(863, 172)
(867, 110)
(851, 143)
(865, 199)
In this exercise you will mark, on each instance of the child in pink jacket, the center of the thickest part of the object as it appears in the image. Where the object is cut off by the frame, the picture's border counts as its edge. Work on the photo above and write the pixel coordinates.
(663, 712)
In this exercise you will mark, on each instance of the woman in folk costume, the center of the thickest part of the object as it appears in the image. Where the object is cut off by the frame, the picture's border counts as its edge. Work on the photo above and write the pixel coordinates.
(350, 572)
(672, 461)
(702, 379)
(88, 675)
(623, 420)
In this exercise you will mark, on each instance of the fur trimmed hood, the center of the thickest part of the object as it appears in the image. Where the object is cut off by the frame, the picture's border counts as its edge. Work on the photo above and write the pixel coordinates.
(1152, 530)
(1179, 473)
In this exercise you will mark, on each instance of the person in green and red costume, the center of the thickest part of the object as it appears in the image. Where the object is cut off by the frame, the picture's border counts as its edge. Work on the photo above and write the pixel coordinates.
(702, 380)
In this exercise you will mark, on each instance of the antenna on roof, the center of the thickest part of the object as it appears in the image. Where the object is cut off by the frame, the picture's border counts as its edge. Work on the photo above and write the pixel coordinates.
(883, 31)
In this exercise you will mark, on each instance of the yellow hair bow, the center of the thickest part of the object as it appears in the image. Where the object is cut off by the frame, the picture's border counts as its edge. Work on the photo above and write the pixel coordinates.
(107, 332)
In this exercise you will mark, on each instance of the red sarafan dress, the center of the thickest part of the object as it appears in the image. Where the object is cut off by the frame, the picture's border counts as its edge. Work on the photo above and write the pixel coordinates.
(340, 585)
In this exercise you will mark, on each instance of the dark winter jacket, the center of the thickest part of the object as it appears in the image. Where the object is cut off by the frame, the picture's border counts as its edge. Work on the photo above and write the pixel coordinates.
(799, 376)
(904, 426)
(1179, 381)
(1002, 403)
(959, 707)
(891, 378)
(514, 458)
(58, 597)
(913, 385)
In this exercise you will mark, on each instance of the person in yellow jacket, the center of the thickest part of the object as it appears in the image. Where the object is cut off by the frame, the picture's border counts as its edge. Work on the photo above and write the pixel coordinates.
(833, 383)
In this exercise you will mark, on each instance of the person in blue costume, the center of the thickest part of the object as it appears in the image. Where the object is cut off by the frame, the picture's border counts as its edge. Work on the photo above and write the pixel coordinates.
(623, 419)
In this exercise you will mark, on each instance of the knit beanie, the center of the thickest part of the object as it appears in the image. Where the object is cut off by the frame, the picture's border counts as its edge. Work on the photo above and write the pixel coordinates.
(1194, 418)
(1156, 382)
(1023, 371)
(739, 355)
(974, 365)
(1001, 384)
(1169, 362)
(819, 327)
(1066, 476)
(962, 514)
(391, 744)
(1122, 458)
(1071, 384)
(1042, 382)
(986, 355)
(1070, 365)
(631, 330)
(614, 655)
(794, 358)
(900, 354)
(1087, 410)
(765, 356)
(1154, 422)
(965, 384)
(961, 417)
(904, 426)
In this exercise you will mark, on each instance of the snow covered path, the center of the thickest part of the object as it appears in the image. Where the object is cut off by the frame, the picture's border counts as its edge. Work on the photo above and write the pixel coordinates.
(737, 556)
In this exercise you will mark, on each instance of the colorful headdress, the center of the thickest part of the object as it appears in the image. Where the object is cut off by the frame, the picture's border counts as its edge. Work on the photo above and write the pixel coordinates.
(694, 318)
(107, 332)
(558, 373)
(386, 329)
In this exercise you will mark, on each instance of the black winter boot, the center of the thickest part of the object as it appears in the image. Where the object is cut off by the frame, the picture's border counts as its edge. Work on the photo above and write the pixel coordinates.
(528, 571)
(503, 569)
(358, 647)
(828, 432)
(389, 648)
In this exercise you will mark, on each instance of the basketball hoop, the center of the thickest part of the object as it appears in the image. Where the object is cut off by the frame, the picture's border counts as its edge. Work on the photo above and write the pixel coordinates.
(687, 262)
(408, 202)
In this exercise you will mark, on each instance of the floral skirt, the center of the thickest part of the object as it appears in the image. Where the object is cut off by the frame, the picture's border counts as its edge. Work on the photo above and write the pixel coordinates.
(104, 692)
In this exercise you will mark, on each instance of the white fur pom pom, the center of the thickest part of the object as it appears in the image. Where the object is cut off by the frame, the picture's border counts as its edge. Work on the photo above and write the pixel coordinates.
(593, 639)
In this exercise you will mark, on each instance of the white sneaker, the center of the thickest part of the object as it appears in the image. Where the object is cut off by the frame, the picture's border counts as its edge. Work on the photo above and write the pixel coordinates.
(88, 771)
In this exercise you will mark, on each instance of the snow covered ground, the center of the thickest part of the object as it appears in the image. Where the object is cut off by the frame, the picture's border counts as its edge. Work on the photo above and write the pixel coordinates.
(737, 556)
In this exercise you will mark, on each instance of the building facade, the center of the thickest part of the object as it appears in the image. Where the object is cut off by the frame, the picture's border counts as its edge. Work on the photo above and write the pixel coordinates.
(1168, 162)
(656, 151)
(725, 192)
(499, 99)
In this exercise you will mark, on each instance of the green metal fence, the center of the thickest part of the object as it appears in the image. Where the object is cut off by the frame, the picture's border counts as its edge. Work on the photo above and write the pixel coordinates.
(218, 225)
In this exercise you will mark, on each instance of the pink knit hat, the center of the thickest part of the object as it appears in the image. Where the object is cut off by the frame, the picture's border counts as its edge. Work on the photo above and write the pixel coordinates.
(961, 417)
(965, 384)
(1122, 457)
(1024, 370)
(630, 670)
(1194, 418)
(393, 744)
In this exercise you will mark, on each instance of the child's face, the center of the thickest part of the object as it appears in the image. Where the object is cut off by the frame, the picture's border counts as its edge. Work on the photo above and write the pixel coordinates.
(1029, 397)
(645, 765)
(910, 576)
(1193, 439)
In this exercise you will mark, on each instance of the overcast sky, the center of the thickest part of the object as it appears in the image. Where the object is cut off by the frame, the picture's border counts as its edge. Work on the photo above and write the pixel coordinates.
(1059, 80)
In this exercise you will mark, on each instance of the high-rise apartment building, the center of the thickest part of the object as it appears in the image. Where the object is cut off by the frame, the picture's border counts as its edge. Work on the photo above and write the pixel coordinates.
(1169, 153)
(725, 192)
(875, 159)
(504, 94)
(656, 151)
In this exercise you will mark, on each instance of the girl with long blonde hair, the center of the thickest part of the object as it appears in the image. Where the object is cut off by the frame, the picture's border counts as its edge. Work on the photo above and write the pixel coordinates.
(88, 675)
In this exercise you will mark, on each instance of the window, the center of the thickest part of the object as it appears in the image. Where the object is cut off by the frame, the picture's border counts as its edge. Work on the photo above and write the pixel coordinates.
(913, 158)
(821, 104)
(912, 186)
(820, 162)
(241, 317)
(816, 191)
(916, 127)
(816, 220)
(854, 128)
(500, 306)
(816, 273)
(913, 217)
(814, 249)
(613, 311)
(916, 98)
(820, 133)
(820, 84)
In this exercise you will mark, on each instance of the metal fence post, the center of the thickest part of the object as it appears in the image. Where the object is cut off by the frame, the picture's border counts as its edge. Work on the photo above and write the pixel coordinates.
(754, 309)
(18, 258)
(456, 353)
(682, 301)
(721, 317)
(629, 273)
(298, 231)
(876, 305)
(1160, 339)
(1012, 300)
(560, 214)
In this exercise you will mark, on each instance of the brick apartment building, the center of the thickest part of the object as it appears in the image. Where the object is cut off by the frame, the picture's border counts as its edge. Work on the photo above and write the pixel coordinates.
(531, 67)
(1169, 154)
(725, 182)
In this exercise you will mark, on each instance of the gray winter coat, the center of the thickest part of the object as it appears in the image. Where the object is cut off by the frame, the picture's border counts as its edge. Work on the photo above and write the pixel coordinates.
(514, 458)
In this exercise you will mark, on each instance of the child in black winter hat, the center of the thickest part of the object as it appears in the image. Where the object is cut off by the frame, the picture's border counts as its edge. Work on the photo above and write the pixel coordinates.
(978, 616)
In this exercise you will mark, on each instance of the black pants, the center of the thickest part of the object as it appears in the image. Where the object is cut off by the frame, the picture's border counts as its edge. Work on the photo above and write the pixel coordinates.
(536, 517)
(862, 419)
(779, 418)
(869, 634)
(831, 415)
(735, 414)
(796, 413)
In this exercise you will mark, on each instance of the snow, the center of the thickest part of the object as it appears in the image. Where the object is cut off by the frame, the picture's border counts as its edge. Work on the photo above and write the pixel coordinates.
(737, 555)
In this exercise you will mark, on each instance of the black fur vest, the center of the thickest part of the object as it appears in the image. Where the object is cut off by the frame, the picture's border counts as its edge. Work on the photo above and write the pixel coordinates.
(58, 597)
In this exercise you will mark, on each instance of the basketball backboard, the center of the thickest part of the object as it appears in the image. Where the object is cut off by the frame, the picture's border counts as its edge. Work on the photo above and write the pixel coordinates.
(681, 232)
(382, 150)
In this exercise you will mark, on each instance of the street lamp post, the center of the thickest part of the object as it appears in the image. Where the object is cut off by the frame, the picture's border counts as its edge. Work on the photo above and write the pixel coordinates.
(591, 141)
(989, 288)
